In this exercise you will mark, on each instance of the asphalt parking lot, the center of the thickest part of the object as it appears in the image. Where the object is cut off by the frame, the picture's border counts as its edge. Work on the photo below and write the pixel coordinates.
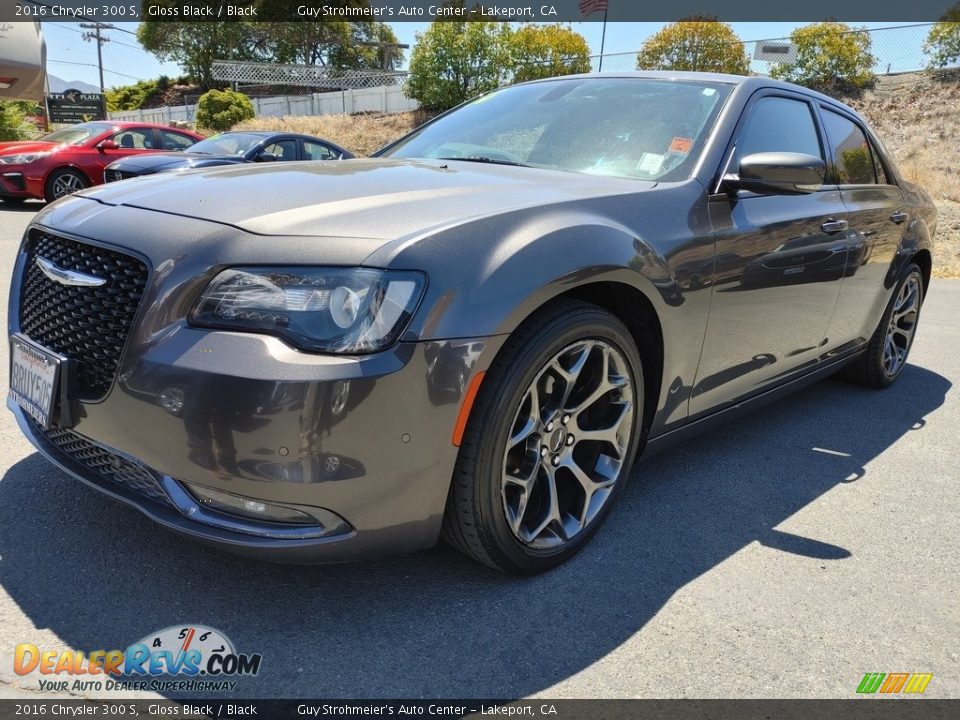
(783, 556)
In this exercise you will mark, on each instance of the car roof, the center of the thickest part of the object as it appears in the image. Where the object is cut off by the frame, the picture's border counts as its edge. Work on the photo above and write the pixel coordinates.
(126, 124)
(284, 133)
(272, 133)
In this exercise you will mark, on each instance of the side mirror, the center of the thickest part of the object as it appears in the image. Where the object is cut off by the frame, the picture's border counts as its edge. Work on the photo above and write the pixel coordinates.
(107, 145)
(266, 157)
(778, 173)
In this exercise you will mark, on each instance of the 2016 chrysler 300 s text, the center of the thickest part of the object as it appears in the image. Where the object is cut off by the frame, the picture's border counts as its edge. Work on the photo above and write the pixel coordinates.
(474, 333)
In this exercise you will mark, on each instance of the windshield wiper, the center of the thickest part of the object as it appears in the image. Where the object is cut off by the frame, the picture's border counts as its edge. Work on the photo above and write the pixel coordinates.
(485, 159)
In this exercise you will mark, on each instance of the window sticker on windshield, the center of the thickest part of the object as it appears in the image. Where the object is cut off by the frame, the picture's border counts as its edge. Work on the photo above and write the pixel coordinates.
(681, 145)
(650, 163)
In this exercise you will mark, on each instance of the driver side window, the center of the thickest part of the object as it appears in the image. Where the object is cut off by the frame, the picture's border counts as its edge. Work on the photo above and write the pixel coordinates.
(778, 124)
(283, 149)
(134, 139)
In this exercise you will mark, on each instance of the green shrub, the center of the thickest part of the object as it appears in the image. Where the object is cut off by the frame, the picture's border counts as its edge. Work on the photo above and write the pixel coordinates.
(222, 109)
(13, 123)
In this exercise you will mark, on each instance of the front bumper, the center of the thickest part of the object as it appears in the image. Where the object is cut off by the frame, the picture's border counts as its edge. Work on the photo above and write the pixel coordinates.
(365, 439)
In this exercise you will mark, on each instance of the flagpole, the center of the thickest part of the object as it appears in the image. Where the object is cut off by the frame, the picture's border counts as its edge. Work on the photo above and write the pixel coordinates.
(603, 39)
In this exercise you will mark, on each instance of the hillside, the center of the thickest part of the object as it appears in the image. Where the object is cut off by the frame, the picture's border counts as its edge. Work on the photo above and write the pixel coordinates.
(57, 85)
(915, 116)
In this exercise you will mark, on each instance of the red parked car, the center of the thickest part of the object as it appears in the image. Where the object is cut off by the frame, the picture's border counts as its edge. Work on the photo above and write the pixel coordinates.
(73, 158)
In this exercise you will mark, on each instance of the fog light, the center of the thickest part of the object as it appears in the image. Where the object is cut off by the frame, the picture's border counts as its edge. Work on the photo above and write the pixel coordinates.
(247, 508)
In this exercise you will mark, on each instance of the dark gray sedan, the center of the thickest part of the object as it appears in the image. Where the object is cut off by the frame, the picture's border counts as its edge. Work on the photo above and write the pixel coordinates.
(475, 333)
(229, 148)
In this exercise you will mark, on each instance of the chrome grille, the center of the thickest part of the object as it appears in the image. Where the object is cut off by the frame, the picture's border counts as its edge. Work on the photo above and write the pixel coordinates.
(87, 324)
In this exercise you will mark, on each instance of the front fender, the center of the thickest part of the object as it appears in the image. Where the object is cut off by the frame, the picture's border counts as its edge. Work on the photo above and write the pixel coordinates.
(520, 276)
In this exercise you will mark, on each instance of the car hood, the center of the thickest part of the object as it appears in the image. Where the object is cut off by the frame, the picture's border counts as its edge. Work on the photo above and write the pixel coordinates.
(163, 161)
(31, 146)
(372, 198)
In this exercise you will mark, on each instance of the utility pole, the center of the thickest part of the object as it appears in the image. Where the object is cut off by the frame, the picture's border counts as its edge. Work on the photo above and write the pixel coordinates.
(100, 39)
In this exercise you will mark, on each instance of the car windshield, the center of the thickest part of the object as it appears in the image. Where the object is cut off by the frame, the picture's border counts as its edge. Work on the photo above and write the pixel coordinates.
(226, 144)
(627, 127)
(77, 134)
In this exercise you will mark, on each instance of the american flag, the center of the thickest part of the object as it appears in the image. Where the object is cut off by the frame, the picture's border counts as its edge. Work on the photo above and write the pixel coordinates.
(589, 7)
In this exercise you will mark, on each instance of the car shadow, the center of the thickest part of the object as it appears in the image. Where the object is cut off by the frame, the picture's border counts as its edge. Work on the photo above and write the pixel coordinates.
(99, 575)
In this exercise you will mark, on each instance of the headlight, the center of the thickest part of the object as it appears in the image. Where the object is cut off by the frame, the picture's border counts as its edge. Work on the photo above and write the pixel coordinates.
(21, 159)
(341, 310)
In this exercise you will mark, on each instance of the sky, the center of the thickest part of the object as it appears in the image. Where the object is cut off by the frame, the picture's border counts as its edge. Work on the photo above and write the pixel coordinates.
(70, 57)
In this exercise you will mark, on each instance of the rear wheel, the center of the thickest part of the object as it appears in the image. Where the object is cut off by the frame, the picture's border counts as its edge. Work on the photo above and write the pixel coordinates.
(550, 441)
(64, 182)
(887, 352)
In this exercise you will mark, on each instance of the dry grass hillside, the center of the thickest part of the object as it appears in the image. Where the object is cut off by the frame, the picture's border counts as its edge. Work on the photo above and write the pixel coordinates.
(360, 134)
(918, 119)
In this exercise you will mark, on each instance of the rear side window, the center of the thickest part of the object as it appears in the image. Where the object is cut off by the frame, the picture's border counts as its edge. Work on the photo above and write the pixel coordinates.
(316, 151)
(853, 161)
(778, 124)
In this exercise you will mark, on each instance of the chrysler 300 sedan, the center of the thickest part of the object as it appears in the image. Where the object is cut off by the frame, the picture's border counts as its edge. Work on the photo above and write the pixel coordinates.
(473, 334)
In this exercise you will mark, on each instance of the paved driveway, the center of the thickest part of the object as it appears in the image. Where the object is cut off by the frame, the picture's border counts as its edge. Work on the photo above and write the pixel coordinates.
(785, 555)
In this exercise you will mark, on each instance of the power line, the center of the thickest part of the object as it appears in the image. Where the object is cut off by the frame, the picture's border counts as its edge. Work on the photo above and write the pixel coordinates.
(112, 72)
(113, 40)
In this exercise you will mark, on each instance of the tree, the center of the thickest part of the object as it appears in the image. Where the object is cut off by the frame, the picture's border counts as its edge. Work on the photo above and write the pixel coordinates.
(454, 61)
(831, 57)
(697, 43)
(195, 45)
(541, 51)
(222, 109)
(943, 40)
(335, 44)
(13, 119)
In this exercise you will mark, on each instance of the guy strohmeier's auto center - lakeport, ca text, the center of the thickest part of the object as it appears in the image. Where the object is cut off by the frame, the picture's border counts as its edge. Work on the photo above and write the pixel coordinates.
(210, 10)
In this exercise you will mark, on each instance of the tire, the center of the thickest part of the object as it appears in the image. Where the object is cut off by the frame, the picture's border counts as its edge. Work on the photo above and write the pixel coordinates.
(881, 365)
(13, 201)
(528, 529)
(61, 181)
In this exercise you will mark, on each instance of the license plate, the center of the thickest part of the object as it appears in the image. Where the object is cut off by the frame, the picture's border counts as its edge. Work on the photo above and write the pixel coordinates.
(34, 379)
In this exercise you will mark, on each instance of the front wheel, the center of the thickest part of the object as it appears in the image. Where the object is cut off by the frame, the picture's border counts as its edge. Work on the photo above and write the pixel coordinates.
(64, 182)
(550, 441)
(887, 351)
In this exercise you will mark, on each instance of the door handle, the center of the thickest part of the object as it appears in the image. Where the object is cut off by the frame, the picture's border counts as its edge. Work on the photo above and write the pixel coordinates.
(834, 226)
(899, 216)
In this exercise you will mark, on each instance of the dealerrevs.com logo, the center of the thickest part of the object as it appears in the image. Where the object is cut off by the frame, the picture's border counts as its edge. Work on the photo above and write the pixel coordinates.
(183, 658)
